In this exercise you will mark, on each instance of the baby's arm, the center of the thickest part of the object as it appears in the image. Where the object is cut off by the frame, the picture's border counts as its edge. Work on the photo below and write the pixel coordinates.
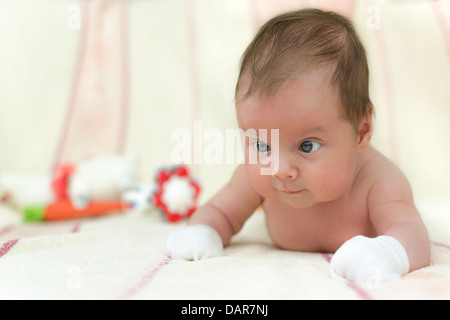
(212, 225)
(392, 213)
(402, 244)
(227, 211)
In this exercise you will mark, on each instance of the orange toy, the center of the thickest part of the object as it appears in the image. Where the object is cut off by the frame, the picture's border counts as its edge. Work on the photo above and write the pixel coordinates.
(64, 210)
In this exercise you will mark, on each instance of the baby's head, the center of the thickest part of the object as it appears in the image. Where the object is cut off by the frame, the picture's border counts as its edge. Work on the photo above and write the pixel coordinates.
(296, 42)
(304, 77)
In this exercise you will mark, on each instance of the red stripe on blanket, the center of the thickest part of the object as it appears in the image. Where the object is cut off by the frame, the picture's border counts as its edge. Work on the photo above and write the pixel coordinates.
(98, 126)
(5, 230)
(440, 244)
(439, 12)
(357, 289)
(125, 105)
(74, 87)
(145, 280)
(7, 246)
(327, 257)
(361, 293)
(76, 227)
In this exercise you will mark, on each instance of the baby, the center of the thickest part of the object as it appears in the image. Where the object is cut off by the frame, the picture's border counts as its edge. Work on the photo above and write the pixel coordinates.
(321, 184)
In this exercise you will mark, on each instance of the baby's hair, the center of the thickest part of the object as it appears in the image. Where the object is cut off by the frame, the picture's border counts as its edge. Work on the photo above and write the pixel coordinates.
(296, 41)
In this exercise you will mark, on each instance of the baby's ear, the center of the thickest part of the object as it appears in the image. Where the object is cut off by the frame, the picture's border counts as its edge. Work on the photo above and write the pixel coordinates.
(365, 129)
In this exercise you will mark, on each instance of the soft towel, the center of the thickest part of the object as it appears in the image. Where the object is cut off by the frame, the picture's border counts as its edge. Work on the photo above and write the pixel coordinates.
(122, 257)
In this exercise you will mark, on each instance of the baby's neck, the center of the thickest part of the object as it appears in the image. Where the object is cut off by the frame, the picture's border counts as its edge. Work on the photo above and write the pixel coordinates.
(363, 158)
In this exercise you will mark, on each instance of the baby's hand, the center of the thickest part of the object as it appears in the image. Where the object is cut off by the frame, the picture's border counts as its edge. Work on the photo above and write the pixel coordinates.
(361, 259)
(194, 243)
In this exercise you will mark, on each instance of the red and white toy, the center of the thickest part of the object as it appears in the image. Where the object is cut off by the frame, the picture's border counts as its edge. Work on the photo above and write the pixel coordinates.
(96, 180)
(105, 179)
(176, 194)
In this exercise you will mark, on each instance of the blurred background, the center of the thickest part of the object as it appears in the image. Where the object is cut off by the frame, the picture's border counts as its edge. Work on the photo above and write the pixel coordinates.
(80, 79)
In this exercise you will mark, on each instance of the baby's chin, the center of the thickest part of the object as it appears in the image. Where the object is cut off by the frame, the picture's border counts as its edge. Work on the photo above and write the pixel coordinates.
(300, 206)
(304, 199)
(301, 200)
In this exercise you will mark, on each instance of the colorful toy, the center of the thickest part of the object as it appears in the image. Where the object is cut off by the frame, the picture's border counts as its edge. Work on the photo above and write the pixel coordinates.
(90, 188)
(140, 199)
(64, 210)
(101, 179)
(177, 193)
(98, 187)
(61, 179)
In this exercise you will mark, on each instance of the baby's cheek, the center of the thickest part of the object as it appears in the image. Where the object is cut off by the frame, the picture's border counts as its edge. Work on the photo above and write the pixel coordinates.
(333, 182)
(259, 182)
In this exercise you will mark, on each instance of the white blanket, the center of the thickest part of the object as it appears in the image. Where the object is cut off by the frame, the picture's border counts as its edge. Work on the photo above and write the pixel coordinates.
(122, 257)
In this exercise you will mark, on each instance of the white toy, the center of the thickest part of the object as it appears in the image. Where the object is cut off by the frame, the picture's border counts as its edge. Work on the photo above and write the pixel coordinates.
(102, 179)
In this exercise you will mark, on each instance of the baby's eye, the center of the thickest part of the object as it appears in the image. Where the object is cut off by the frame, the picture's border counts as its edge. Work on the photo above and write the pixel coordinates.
(262, 147)
(309, 146)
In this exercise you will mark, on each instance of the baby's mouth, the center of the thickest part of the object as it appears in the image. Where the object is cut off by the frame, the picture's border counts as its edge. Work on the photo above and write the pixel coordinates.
(290, 192)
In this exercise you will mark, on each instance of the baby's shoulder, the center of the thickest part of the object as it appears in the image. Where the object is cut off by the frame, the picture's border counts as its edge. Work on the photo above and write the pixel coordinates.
(384, 179)
(379, 168)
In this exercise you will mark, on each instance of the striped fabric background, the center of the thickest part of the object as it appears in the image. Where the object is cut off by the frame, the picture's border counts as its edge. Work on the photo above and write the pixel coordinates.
(84, 78)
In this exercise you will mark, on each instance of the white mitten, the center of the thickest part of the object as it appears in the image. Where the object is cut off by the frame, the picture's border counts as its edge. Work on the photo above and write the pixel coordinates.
(194, 243)
(361, 259)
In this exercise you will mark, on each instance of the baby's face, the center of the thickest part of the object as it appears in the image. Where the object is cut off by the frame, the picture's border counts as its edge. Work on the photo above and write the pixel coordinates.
(315, 157)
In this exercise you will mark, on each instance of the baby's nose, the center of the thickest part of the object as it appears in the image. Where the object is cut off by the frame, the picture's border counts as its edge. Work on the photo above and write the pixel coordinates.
(286, 171)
